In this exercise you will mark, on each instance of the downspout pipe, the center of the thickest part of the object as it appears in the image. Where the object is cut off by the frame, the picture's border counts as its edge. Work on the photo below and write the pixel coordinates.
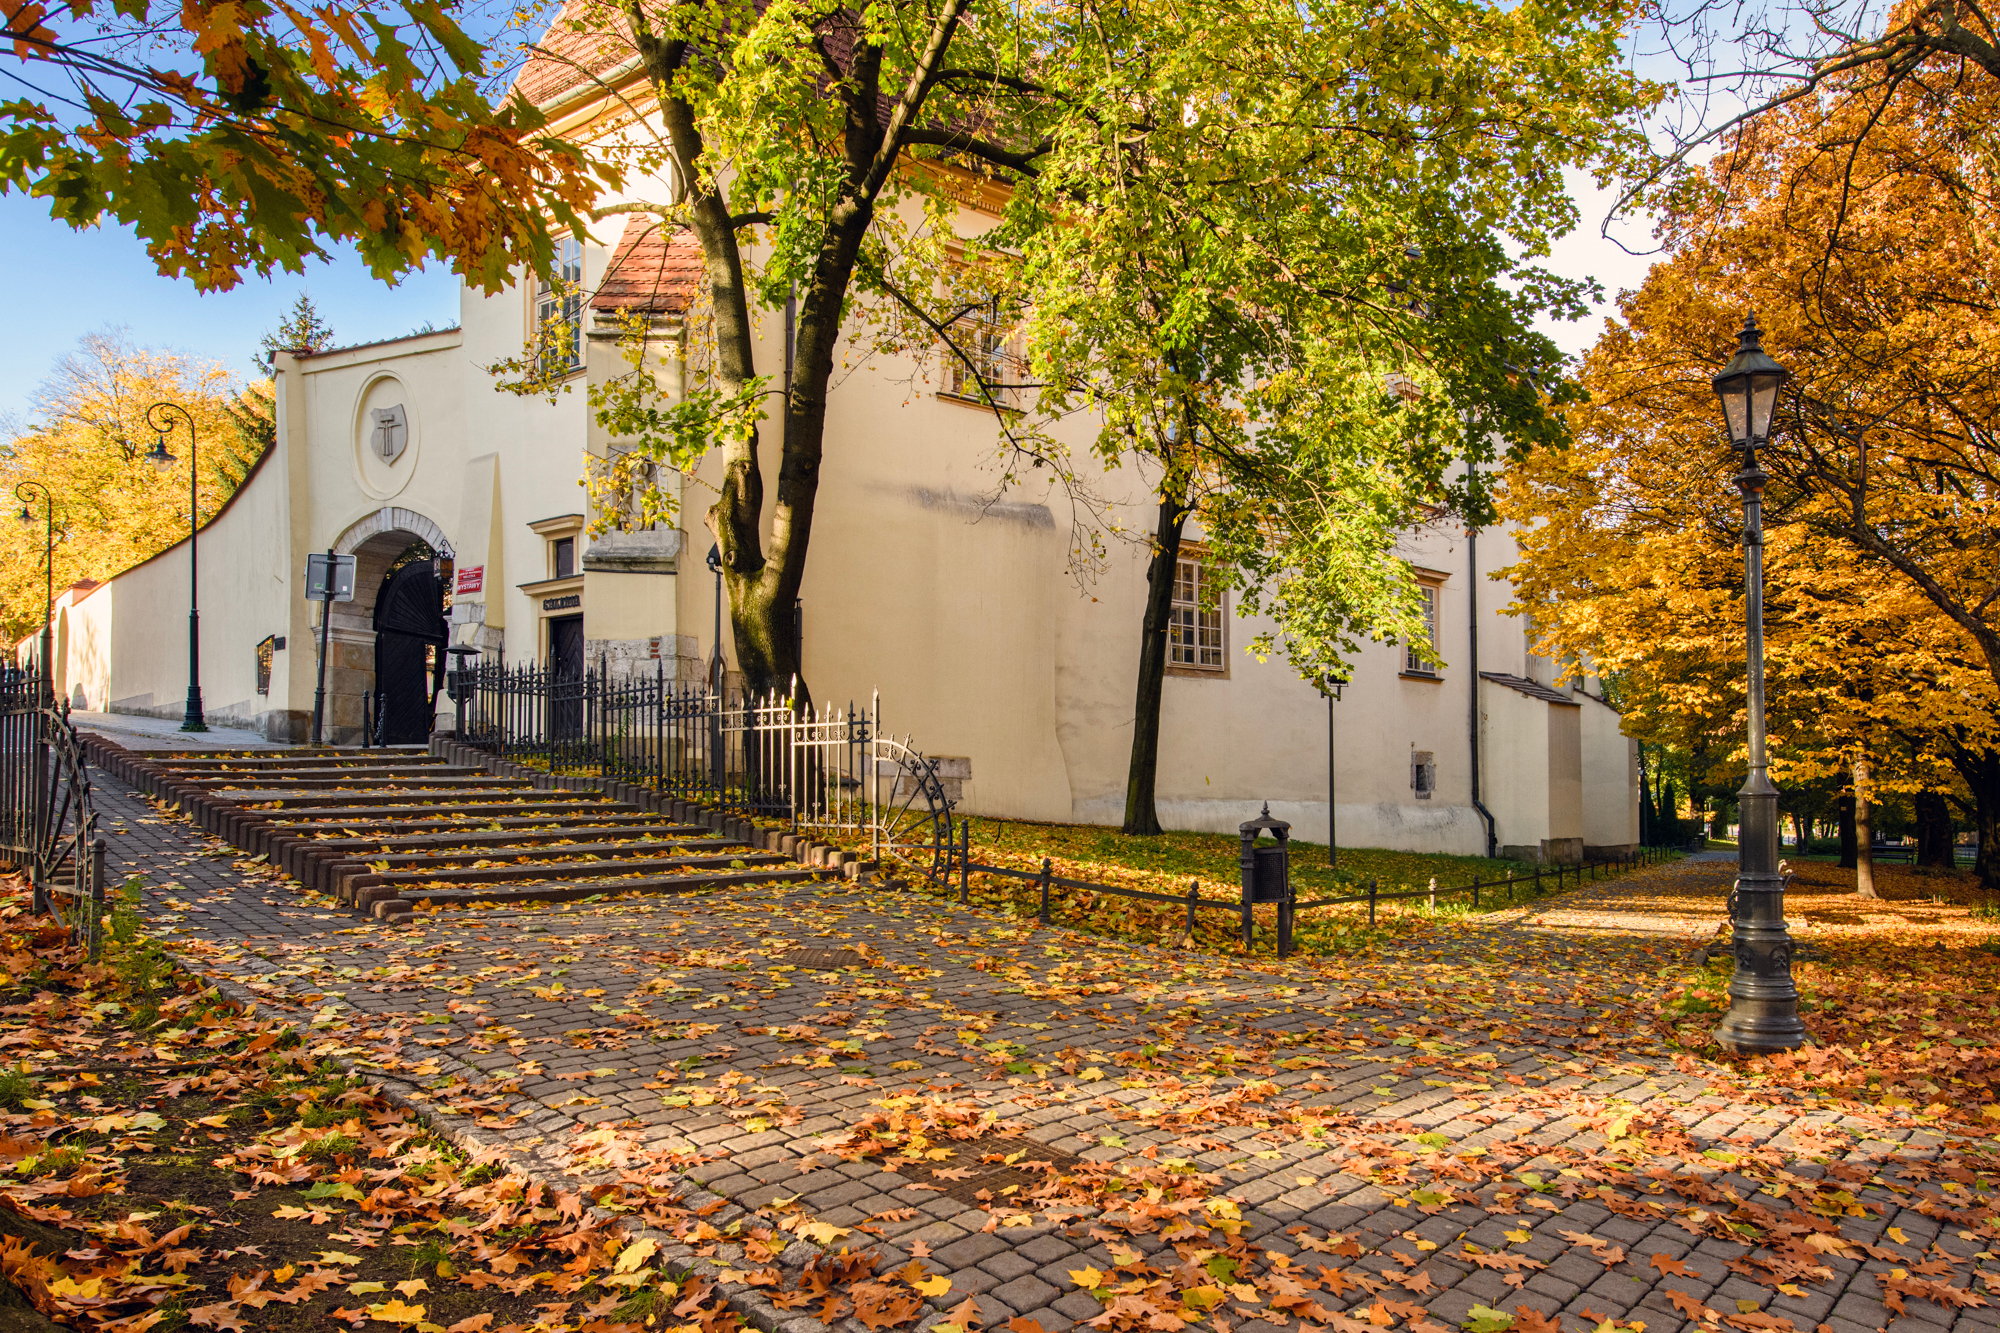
(1475, 723)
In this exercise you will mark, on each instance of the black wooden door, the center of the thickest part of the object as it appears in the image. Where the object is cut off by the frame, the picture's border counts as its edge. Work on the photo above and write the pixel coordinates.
(409, 653)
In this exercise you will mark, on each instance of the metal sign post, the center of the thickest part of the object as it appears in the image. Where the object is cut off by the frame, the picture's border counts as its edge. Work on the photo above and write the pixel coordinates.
(329, 579)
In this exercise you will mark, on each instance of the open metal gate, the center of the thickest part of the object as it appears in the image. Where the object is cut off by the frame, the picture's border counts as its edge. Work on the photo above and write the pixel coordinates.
(48, 829)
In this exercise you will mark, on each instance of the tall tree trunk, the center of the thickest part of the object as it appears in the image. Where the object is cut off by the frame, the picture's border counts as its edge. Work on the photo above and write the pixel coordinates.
(1933, 829)
(1801, 832)
(1141, 814)
(1648, 813)
(1845, 808)
(1864, 828)
(1981, 771)
(763, 576)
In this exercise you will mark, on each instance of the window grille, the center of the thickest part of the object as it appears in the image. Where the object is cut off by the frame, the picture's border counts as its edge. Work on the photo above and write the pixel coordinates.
(984, 348)
(267, 648)
(1412, 663)
(559, 309)
(563, 557)
(1194, 625)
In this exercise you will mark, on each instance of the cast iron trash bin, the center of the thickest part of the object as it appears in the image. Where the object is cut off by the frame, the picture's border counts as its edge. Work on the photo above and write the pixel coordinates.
(1267, 874)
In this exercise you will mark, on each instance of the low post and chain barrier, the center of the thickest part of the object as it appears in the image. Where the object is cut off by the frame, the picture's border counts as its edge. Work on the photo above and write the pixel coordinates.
(1266, 882)
(48, 829)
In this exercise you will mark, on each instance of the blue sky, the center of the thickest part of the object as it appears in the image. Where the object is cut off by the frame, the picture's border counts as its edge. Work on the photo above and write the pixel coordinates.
(68, 283)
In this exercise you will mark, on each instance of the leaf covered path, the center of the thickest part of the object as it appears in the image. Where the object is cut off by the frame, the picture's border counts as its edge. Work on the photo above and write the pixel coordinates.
(1473, 1125)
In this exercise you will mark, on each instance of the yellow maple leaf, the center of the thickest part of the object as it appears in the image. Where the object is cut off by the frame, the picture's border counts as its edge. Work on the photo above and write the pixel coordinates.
(1088, 1278)
(935, 1285)
(634, 1255)
(397, 1311)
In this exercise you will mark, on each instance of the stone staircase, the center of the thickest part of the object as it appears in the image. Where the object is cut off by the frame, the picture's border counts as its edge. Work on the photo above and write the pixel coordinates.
(387, 830)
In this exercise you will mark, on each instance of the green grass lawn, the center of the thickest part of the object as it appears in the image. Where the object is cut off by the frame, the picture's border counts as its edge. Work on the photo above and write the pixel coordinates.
(1167, 862)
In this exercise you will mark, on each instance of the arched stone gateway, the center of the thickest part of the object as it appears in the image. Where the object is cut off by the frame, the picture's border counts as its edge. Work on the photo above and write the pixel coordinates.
(382, 675)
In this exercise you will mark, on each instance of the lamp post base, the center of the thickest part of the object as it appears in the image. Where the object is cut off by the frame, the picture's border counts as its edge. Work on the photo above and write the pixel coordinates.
(192, 719)
(1763, 1015)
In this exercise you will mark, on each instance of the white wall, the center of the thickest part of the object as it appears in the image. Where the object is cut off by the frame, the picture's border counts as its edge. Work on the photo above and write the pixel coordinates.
(126, 641)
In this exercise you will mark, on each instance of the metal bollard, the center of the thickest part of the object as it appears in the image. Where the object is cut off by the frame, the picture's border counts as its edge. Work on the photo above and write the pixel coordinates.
(1048, 874)
(1285, 920)
(964, 861)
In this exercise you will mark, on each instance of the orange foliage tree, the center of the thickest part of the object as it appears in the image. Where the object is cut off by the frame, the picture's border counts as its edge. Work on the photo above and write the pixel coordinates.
(1863, 235)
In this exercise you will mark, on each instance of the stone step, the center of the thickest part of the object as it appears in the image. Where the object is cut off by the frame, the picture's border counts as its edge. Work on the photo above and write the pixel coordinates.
(454, 856)
(445, 843)
(236, 785)
(552, 893)
(572, 870)
(266, 760)
(623, 817)
(474, 799)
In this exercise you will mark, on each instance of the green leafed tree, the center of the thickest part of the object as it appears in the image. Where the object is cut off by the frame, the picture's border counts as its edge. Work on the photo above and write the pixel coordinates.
(1279, 280)
(818, 152)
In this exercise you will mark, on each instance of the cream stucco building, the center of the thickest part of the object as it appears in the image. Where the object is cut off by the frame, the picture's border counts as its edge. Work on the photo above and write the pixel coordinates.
(927, 581)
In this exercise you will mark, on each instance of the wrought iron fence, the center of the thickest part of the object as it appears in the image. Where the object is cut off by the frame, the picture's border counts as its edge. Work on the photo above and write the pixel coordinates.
(821, 767)
(48, 829)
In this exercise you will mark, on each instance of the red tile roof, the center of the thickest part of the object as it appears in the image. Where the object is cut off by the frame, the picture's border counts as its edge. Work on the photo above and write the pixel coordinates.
(656, 269)
(565, 58)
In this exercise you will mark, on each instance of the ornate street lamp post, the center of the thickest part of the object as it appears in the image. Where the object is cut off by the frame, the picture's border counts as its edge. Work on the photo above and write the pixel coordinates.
(160, 417)
(25, 492)
(1763, 1004)
(1330, 686)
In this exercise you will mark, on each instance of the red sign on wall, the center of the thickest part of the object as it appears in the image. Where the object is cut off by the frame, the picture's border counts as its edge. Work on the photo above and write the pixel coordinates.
(471, 579)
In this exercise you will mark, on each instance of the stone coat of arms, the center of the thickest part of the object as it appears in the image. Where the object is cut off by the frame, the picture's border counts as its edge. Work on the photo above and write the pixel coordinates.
(392, 432)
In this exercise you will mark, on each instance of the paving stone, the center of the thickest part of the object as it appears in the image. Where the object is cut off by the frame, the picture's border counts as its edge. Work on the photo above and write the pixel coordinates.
(1025, 1293)
(269, 928)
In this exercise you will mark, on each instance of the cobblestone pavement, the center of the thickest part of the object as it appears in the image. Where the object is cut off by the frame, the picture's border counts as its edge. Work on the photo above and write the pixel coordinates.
(1479, 1121)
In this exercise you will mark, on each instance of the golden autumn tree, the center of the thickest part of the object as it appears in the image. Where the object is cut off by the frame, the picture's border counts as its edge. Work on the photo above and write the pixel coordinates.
(112, 510)
(1862, 234)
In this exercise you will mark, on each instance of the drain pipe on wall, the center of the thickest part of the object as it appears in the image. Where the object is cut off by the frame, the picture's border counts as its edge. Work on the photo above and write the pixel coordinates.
(1475, 724)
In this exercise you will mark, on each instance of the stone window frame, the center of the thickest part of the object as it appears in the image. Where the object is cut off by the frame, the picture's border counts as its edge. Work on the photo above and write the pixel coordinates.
(559, 297)
(1189, 610)
(1430, 586)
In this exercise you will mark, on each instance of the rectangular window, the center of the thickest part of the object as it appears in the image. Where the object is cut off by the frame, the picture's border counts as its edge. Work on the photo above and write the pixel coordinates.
(562, 557)
(559, 309)
(267, 648)
(1423, 773)
(1194, 626)
(1414, 665)
(985, 356)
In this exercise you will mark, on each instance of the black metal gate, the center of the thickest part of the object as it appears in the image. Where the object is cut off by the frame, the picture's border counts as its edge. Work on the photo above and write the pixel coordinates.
(47, 827)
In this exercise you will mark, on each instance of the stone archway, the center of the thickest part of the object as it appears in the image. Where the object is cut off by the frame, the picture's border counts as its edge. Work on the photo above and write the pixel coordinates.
(377, 543)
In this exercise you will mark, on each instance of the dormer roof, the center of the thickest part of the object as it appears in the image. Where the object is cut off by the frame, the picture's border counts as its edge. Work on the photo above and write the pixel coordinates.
(656, 269)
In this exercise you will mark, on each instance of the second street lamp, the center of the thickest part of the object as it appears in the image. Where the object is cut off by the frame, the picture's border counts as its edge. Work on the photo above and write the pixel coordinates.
(1763, 1004)
(25, 493)
(160, 417)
